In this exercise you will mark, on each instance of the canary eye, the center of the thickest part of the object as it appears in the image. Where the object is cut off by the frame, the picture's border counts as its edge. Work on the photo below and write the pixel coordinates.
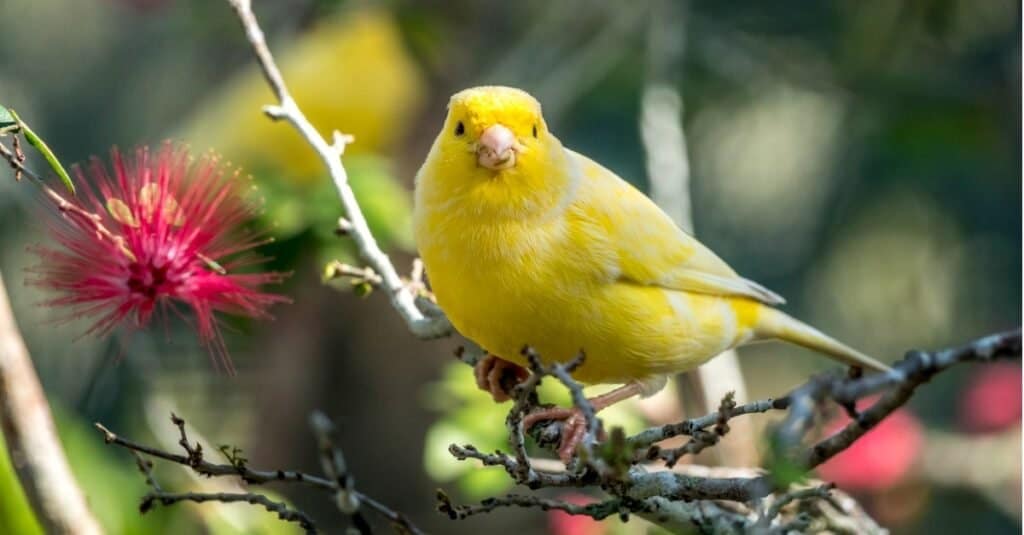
(534, 131)
(460, 129)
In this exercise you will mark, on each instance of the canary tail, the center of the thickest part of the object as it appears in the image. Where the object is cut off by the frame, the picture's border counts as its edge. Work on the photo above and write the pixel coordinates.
(774, 323)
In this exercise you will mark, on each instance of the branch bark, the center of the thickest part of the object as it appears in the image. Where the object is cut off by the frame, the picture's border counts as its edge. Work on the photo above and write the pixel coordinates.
(638, 488)
(32, 440)
(402, 297)
(338, 481)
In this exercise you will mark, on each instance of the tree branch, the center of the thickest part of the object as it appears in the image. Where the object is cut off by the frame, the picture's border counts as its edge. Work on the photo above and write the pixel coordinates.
(403, 299)
(31, 437)
(339, 482)
(158, 495)
(641, 487)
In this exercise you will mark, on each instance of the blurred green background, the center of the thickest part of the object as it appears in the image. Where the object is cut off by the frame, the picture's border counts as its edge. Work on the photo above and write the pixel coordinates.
(861, 158)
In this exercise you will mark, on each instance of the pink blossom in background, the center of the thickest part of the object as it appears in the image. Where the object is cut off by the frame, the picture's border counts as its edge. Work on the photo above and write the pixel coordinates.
(991, 400)
(179, 244)
(562, 523)
(881, 458)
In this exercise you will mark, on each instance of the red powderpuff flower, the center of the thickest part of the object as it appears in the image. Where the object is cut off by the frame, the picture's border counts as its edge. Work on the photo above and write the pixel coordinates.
(881, 458)
(162, 231)
(992, 399)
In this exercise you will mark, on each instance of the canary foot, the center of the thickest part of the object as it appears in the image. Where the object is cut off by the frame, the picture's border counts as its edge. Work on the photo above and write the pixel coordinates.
(498, 377)
(575, 427)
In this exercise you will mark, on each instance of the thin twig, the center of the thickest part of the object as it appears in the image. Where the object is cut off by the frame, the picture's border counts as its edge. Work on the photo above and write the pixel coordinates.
(917, 368)
(333, 463)
(597, 511)
(820, 492)
(542, 478)
(206, 468)
(402, 297)
(158, 495)
(334, 483)
(652, 435)
(702, 439)
(284, 512)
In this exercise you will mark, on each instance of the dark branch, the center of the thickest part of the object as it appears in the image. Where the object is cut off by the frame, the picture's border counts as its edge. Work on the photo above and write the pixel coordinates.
(158, 495)
(641, 488)
(283, 511)
(339, 482)
(598, 511)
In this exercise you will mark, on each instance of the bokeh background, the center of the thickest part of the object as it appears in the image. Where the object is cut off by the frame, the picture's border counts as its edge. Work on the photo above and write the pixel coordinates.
(862, 158)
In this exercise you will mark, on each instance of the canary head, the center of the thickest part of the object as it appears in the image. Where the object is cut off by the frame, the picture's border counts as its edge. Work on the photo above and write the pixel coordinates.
(496, 148)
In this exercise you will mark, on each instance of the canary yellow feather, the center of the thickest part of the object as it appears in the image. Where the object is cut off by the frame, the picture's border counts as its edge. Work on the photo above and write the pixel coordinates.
(528, 243)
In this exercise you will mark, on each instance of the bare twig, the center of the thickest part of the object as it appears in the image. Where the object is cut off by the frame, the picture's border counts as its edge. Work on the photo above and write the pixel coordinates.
(541, 479)
(916, 368)
(702, 439)
(31, 437)
(821, 492)
(597, 511)
(284, 512)
(206, 468)
(339, 482)
(158, 495)
(689, 427)
(402, 297)
(333, 463)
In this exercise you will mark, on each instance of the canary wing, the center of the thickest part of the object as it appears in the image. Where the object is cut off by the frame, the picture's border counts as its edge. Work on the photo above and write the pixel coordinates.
(650, 248)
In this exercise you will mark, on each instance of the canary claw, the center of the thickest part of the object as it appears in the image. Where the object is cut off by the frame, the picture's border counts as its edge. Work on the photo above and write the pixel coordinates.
(498, 376)
(573, 429)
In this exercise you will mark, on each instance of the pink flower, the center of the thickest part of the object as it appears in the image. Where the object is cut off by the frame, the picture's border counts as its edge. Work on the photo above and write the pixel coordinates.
(992, 398)
(562, 523)
(162, 231)
(881, 458)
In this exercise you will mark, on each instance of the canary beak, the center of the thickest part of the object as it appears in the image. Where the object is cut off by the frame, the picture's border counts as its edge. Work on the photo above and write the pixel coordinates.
(496, 148)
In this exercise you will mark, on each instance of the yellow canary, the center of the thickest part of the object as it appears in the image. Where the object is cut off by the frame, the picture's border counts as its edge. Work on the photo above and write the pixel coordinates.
(526, 242)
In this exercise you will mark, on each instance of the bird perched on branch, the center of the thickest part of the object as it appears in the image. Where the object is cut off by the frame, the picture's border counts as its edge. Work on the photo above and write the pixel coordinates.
(527, 243)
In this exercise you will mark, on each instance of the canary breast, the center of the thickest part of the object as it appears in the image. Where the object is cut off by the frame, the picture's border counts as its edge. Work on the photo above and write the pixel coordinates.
(552, 284)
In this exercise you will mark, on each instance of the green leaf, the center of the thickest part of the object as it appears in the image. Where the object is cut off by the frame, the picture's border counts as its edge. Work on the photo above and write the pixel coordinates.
(44, 149)
(7, 121)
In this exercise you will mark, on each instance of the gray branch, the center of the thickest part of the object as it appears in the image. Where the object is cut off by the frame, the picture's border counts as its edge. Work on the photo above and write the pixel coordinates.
(339, 482)
(403, 298)
(159, 496)
(671, 498)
